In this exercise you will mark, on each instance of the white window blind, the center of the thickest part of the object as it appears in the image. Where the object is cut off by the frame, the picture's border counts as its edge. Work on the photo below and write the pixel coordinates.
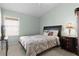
(11, 26)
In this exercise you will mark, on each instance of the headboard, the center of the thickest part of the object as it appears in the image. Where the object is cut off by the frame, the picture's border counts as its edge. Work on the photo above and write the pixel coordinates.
(57, 27)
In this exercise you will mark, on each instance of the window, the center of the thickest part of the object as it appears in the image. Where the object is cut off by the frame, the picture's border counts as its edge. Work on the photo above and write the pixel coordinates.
(11, 26)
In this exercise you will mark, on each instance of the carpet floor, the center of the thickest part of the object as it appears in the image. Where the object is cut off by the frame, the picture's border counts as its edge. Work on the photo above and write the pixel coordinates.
(17, 50)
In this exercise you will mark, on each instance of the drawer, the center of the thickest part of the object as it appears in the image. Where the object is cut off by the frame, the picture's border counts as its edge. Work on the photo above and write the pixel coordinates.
(69, 43)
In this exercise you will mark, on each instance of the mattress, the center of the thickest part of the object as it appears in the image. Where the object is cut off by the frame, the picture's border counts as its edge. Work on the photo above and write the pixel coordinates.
(38, 43)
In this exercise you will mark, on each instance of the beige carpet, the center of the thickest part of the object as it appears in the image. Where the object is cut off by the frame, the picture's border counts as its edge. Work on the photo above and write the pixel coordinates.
(16, 50)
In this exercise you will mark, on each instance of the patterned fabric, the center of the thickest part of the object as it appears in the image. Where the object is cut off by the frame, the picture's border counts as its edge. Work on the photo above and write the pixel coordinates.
(38, 43)
(50, 34)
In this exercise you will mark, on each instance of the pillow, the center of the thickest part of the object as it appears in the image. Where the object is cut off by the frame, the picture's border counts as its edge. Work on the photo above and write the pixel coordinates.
(45, 32)
(50, 34)
(55, 32)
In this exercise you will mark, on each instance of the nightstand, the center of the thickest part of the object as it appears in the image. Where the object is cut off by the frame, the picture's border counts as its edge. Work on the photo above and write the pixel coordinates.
(69, 43)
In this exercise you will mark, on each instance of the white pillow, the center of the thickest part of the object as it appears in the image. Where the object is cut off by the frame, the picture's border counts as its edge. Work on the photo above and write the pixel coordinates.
(55, 32)
(45, 33)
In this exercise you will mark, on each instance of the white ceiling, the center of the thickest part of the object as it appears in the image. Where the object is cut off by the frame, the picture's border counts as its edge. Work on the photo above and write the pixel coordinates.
(32, 9)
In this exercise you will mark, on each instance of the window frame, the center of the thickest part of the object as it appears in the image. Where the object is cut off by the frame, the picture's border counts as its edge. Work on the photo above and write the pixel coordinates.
(11, 18)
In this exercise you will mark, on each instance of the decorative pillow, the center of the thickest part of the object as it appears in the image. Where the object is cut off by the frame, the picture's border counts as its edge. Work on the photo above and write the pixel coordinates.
(55, 32)
(50, 34)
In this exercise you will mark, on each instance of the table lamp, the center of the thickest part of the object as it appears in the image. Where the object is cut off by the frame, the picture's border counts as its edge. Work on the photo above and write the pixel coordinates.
(70, 27)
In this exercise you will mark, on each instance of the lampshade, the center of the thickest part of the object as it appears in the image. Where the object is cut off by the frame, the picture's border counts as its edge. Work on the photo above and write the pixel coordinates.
(69, 25)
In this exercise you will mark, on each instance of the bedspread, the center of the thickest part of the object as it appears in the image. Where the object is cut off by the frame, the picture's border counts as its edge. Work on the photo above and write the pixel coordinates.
(38, 43)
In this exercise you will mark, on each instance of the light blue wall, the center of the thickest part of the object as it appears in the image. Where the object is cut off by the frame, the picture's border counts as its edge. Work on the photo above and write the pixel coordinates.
(28, 25)
(60, 15)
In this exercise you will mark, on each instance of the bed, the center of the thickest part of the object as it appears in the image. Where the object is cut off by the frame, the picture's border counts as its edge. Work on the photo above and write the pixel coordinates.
(36, 44)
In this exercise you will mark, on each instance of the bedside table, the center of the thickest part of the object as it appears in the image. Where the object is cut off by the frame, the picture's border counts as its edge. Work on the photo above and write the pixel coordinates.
(69, 43)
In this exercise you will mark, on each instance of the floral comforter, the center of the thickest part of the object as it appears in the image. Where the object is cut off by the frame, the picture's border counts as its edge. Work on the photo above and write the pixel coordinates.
(38, 43)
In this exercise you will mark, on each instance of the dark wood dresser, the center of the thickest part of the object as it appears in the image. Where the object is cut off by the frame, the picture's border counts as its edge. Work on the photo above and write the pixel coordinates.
(69, 43)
